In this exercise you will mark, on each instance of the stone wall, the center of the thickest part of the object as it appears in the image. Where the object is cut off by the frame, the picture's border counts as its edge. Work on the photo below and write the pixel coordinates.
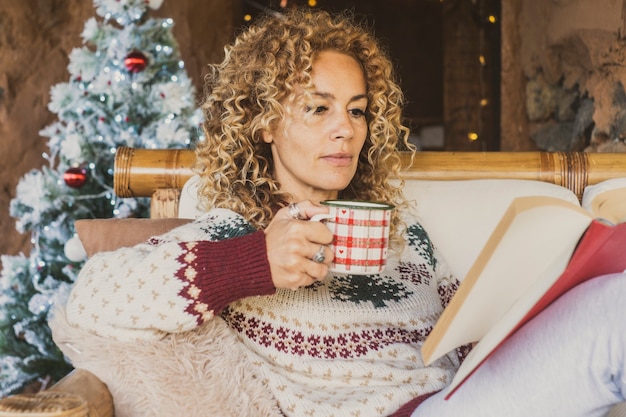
(36, 38)
(573, 58)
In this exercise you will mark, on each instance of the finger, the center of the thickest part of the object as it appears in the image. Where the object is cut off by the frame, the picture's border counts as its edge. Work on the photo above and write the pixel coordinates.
(306, 271)
(323, 255)
(308, 209)
(304, 238)
(311, 273)
(299, 232)
(317, 234)
(316, 271)
(305, 208)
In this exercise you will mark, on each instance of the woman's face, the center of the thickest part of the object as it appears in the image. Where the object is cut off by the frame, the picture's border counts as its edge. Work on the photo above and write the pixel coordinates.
(316, 147)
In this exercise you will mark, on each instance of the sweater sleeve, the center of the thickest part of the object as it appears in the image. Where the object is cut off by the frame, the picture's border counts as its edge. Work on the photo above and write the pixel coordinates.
(169, 284)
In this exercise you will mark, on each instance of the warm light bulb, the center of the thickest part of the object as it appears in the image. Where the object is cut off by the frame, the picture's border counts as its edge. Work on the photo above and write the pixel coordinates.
(492, 19)
(312, 3)
(473, 136)
(484, 102)
(482, 60)
(247, 18)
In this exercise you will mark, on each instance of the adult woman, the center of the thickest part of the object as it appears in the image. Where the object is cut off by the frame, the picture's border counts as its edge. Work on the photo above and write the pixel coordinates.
(303, 109)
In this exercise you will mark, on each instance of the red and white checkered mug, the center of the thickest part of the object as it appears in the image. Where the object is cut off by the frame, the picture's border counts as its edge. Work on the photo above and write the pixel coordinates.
(361, 235)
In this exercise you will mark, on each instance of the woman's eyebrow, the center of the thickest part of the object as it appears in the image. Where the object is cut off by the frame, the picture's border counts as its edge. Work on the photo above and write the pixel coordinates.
(330, 96)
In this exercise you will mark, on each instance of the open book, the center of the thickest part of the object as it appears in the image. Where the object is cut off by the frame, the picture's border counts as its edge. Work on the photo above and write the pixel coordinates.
(541, 248)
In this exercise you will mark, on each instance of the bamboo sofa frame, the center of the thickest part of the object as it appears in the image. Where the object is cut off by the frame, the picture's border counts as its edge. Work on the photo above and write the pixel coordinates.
(160, 174)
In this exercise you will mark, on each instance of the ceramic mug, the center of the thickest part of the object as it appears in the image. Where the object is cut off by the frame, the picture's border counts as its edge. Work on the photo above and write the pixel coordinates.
(360, 235)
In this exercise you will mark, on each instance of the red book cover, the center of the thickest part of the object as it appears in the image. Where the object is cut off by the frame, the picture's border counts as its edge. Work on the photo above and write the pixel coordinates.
(601, 251)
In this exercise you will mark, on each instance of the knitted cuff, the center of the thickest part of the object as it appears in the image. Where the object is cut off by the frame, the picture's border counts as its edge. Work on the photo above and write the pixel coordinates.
(224, 271)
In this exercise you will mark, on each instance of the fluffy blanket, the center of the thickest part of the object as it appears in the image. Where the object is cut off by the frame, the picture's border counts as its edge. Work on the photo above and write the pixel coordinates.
(199, 373)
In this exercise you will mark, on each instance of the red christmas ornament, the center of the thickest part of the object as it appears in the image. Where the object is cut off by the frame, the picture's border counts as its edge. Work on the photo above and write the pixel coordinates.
(75, 177)
(136, 61)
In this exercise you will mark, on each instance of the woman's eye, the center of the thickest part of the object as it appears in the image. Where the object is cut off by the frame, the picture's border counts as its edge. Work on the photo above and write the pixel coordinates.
(320, 109)
(316, 109)
(357, 112)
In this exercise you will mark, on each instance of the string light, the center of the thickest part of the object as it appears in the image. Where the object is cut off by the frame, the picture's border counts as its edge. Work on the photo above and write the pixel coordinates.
(486, 19)
(283, 4)
(473, 136)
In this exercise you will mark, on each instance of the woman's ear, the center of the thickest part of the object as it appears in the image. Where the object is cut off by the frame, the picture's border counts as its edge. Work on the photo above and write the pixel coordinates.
(267, 137)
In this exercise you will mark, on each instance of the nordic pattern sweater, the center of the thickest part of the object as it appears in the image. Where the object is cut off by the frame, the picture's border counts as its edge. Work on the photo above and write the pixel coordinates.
(345, 346)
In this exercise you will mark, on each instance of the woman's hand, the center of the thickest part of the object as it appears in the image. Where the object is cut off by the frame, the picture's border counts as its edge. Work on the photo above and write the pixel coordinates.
(292, 243)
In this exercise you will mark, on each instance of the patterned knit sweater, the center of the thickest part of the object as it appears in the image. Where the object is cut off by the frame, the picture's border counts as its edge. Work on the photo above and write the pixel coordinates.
(345, 346)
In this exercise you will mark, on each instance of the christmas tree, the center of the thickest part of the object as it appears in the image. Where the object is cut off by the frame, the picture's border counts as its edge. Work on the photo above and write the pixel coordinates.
(127, 87)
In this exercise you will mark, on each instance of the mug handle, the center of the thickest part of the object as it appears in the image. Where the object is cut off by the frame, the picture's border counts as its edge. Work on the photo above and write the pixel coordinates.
(320, 217)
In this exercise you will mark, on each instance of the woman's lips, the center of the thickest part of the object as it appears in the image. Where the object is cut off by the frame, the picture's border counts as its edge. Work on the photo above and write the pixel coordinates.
(338, 159)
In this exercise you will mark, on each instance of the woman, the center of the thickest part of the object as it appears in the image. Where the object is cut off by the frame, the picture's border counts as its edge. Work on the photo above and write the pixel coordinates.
(303, 109)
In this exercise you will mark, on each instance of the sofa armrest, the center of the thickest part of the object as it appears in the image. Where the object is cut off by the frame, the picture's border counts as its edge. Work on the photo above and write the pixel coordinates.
(86, 385)
(80, 394)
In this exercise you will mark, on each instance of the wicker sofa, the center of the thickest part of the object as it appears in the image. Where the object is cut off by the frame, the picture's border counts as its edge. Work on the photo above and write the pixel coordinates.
(456, 194)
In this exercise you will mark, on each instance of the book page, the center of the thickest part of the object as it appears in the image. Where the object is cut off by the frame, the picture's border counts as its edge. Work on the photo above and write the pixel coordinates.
(503, 327)
(608, 205)
(534, 240)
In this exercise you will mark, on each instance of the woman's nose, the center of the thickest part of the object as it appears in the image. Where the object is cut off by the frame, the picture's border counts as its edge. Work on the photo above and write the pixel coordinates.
(343, 128)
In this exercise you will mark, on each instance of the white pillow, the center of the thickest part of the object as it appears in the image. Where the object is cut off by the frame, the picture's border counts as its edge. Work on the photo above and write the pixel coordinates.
(188, 203)
(460, 215)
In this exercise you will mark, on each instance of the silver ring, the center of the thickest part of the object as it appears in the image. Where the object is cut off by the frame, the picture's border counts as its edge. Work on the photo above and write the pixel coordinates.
(294, 211)
(320, 256)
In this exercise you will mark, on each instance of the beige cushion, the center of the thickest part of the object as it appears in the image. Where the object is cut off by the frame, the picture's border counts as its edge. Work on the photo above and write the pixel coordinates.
(101, 235)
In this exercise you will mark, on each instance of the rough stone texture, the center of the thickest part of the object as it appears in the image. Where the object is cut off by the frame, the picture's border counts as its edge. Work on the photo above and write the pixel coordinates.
(513, 121)
(577, 46)
(36, 38)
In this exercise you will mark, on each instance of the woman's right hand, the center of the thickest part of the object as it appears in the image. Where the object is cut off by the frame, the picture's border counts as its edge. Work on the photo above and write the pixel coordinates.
(292, 243)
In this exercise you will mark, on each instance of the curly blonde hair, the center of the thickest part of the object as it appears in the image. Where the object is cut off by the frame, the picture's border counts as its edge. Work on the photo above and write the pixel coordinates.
(261, 70)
